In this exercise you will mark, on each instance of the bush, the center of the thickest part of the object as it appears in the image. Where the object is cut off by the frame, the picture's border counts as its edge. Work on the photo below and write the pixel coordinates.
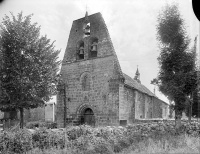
(37, 124)
(5, 140)
(45, 139)
(75, 132)
(16, 142)
(86, 139)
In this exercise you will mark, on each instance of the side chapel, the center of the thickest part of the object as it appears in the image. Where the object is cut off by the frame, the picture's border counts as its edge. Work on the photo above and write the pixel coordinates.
(98, 92)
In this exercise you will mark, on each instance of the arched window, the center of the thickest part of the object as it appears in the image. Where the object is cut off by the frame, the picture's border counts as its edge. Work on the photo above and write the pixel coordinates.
(93, 47)
(85, 83)
(86, 29)
(80, 50)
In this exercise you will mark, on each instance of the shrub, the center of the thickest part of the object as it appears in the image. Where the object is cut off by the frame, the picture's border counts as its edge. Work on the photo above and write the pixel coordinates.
(37, 124)
(44, 139)
(75, 132)
(34, 124)
(16, 142)
(5, 140)
(85, 139)
(57, 139)
(22, 141)
(41, 139)
(51, 125)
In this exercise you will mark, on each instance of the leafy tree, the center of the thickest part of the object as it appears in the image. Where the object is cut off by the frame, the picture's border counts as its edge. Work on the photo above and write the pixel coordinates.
(29, 65)
(193, 104)
(177, 74)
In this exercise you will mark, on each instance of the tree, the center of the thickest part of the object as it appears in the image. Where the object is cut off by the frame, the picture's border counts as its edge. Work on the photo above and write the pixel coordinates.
(177, 74)
(192, 106)
(29, 65)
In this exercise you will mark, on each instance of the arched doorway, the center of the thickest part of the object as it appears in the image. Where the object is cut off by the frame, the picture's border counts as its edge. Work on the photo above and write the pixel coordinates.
(88, 117)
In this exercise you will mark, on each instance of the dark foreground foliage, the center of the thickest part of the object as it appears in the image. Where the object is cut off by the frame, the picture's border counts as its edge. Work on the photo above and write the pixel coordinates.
(85, 139)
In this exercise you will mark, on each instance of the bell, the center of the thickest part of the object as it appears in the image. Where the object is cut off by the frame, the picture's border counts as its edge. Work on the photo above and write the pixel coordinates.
(81, 51)
(94, 48)
(87, 26)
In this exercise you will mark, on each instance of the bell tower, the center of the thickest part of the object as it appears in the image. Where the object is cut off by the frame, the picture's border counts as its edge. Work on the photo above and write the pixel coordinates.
(88, 38)
(91, 72)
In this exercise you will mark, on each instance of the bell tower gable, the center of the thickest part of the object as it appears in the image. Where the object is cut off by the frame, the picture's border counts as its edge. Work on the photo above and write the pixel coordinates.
(92, 32)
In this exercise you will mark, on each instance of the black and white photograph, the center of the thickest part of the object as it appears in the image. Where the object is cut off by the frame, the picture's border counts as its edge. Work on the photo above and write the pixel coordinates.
(99, 77)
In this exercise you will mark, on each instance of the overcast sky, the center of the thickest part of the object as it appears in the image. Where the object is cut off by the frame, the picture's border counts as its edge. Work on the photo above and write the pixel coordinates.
(131, 24)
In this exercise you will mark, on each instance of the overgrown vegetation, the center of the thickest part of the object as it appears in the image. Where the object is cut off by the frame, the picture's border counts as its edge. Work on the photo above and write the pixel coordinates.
(103, 140)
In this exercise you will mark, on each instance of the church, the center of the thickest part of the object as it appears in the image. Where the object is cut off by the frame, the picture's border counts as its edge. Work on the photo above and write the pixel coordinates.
(97, 92)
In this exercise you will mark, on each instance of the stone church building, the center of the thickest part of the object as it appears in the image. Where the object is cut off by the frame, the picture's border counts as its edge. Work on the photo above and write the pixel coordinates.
(97, 91)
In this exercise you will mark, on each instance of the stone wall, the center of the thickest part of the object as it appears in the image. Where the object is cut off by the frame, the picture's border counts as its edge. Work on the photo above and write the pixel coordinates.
(157, 108)
(140, 105)
(103, 95)
(126, 104)
(148, 107)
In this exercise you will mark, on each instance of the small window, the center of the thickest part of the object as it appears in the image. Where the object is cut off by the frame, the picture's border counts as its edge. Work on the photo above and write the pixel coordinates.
(86, 83)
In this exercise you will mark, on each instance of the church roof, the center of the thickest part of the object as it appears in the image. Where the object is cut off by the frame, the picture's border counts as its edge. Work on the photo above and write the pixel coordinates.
(138, 86)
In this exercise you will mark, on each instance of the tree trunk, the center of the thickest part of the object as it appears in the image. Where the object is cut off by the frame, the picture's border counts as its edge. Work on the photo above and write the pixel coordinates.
(190, 113)
(178, 115)
(21, 118)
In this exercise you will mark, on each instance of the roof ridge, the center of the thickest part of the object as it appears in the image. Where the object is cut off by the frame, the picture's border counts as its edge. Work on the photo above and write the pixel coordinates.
(87, 16)
(133, 83)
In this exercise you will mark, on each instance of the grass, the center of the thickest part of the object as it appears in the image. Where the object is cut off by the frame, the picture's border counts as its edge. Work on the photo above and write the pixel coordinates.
(183, 144)
(167, 145)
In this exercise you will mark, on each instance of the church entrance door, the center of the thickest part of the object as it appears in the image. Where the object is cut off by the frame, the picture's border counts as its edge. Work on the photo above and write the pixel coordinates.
(88, 117)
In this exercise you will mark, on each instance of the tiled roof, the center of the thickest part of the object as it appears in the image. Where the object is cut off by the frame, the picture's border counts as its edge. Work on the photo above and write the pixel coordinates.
(134, 84)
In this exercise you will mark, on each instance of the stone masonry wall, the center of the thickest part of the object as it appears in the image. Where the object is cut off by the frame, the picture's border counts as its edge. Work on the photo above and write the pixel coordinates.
(157, 108)
(140, 105)
(126, 104)
(148, 107)
(103, 93)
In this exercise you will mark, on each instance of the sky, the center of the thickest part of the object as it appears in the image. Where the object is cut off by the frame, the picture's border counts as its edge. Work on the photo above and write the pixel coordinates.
(131, 25)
